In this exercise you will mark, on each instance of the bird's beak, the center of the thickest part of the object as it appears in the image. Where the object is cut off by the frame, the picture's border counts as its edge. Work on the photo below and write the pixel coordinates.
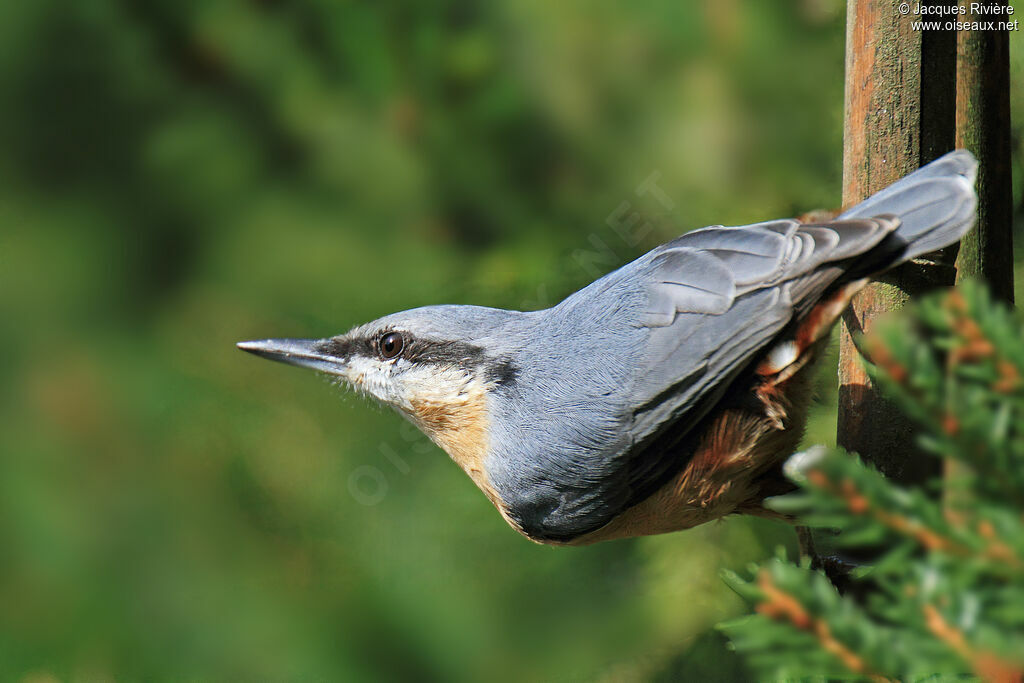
(305, 353)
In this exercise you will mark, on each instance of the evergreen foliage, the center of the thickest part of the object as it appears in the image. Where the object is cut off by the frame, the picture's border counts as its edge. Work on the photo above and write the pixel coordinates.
(945, 596)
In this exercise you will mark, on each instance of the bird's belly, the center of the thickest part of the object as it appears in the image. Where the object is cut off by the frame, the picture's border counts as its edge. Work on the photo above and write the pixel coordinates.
(735, 465)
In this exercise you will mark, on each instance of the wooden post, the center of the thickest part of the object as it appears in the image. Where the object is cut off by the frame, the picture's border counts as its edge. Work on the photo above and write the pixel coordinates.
(983, 126)
(900, 114)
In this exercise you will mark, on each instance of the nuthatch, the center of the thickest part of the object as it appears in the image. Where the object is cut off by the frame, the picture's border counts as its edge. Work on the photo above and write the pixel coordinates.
(661, 396)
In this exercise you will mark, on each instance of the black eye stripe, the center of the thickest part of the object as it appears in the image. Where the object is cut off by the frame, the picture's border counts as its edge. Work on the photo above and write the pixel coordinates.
(434, 351)
(344, 349)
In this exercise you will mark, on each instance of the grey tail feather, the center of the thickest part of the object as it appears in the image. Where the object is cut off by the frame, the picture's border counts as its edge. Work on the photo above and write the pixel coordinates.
(935, 204)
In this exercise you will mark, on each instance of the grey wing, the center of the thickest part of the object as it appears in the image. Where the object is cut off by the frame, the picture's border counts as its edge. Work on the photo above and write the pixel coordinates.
(717, 298)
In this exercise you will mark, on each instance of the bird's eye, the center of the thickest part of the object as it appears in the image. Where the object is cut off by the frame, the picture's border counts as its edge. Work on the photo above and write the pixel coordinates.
(391, 345)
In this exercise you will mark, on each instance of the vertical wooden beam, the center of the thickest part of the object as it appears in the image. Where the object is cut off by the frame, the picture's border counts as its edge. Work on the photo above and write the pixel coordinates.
(900, 113)
(983, 126)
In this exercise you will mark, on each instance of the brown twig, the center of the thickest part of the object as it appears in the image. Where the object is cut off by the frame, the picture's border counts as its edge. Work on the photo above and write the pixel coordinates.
(783, 606)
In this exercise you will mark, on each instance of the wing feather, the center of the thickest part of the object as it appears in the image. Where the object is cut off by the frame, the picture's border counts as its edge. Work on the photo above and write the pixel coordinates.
(704, 330)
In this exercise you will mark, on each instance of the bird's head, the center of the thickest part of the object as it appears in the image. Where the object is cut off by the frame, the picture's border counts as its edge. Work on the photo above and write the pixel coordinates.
(436, 365)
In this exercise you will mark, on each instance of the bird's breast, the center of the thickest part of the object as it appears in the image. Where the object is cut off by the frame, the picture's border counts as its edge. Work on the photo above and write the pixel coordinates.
(459, 422)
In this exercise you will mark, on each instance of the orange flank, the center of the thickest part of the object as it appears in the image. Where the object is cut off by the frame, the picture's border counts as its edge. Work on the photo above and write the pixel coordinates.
(814, 326)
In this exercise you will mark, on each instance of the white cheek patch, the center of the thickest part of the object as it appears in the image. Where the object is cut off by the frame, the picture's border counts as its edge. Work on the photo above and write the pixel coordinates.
(403, 384)
(437, 385)
(370, 376)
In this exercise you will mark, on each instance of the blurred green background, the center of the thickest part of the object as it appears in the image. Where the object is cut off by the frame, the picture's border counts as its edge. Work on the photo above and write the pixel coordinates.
(177, 176)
